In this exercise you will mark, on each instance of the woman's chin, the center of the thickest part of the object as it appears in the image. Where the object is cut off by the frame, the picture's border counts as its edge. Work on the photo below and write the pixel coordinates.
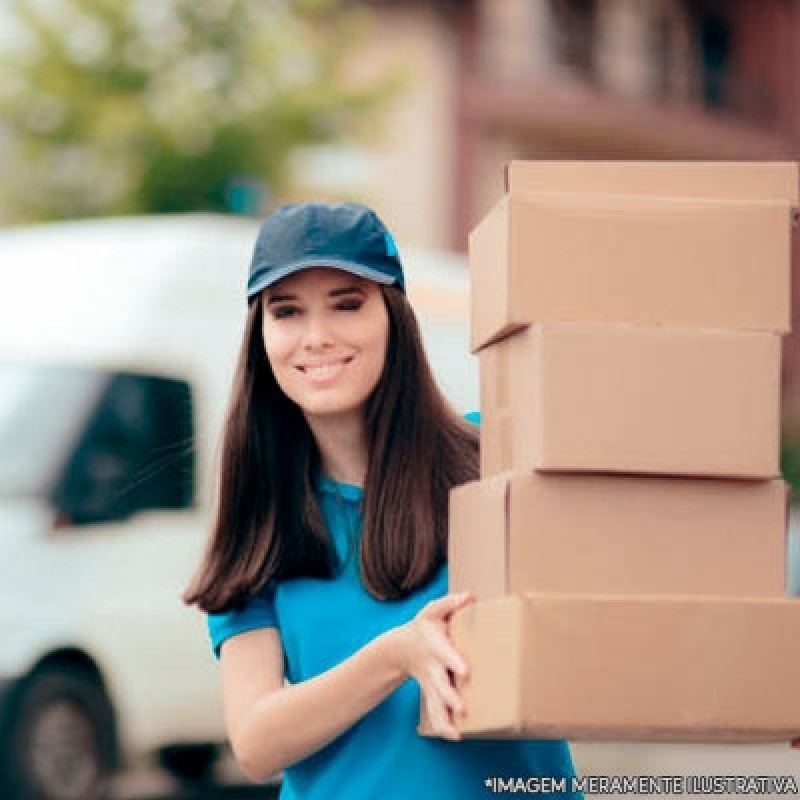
(331, 408)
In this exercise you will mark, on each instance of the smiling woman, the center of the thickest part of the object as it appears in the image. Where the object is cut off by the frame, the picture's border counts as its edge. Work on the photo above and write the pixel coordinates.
(326, 564)
(325, 335)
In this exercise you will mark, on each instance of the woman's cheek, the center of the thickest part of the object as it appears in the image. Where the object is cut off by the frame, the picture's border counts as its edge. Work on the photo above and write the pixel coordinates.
(279, 345)
(288, 374)
(284, 372)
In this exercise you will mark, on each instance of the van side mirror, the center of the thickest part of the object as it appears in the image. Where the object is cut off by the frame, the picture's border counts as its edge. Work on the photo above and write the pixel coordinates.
(135, 453)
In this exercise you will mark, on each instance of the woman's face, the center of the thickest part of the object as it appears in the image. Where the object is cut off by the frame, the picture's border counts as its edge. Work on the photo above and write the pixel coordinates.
(325, 334)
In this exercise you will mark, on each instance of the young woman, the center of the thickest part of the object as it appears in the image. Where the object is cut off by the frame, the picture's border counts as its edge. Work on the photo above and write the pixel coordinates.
(326, 562)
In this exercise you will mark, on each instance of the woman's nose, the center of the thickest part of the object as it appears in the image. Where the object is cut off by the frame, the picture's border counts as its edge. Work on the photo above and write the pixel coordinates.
(318, 332)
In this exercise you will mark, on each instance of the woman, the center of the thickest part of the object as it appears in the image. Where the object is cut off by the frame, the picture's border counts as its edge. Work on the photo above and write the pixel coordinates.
(326, 562)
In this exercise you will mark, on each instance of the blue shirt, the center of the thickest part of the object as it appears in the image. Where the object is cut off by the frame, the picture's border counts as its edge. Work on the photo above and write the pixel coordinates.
(323, 622)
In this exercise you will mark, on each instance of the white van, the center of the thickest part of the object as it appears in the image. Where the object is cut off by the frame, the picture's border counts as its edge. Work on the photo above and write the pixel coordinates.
(118, 340)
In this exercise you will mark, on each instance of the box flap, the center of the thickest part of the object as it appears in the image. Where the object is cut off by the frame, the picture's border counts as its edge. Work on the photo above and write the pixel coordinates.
(478, 537)
(647, 665)
(773, 181)
(653, 261)
(489, 288)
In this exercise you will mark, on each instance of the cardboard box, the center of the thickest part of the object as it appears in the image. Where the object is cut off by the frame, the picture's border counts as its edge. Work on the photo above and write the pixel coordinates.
(622, 398)
(645, 261)
(771, 181)
(597, 534)
(642, 668)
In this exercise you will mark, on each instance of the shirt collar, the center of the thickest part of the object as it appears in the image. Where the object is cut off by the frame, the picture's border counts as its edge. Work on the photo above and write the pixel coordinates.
(347, 491)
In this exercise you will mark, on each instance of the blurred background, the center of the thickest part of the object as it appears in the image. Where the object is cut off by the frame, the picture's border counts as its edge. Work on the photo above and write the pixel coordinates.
(140, 142)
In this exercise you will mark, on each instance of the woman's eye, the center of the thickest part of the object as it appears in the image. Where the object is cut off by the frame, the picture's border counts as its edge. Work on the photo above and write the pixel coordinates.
(284, 311)
(350, 305)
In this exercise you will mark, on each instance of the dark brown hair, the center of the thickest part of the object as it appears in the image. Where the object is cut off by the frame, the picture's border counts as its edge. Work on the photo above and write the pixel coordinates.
(269, 525)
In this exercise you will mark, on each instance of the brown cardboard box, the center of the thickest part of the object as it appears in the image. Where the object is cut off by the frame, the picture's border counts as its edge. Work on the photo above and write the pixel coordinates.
(617, 667)
(647, 261)
(623, 398)
(750, 181)
(597, 534)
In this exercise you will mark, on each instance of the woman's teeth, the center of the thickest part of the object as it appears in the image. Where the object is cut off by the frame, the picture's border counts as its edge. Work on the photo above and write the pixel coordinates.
(324, 372)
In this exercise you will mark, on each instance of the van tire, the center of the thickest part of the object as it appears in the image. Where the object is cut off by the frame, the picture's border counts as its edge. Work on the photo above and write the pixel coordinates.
(67, 710)
(191, 764)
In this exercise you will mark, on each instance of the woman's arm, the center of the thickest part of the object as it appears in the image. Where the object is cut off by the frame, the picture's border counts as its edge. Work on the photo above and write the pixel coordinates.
(272, 726)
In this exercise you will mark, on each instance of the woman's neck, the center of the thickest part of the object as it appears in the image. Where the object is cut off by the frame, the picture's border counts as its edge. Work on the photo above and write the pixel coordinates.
(342, 444)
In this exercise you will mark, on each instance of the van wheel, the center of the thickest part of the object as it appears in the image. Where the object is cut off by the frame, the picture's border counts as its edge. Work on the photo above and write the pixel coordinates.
(191, 764)
(57, 737)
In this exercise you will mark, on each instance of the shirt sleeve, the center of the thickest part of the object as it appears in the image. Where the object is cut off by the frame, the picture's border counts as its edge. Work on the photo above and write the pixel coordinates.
(259, 612)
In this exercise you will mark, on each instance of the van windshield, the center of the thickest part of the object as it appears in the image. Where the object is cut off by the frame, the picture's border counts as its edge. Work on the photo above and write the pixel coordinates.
(42, 411)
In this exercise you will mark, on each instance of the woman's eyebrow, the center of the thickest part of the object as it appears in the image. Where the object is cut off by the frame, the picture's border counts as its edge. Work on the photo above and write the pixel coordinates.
(279, 298)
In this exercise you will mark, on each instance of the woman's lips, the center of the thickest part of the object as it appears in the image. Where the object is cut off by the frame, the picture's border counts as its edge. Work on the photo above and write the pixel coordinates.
(326, 371)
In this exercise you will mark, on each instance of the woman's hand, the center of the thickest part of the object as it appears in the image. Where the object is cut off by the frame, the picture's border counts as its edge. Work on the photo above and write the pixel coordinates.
(428, 654)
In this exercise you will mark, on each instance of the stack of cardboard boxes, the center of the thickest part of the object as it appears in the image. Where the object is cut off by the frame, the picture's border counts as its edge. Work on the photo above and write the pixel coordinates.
(626, 543)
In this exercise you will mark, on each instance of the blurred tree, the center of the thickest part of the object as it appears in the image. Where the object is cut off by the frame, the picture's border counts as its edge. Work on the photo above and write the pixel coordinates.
(127, 106)
(790, 464)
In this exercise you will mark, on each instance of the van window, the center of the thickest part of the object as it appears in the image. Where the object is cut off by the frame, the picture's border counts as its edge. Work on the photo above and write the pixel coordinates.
(99, 445)
(42, 408)
(134, 453)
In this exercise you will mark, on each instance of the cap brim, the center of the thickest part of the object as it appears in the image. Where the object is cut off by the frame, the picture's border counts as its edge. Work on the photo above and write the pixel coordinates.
(273, 276)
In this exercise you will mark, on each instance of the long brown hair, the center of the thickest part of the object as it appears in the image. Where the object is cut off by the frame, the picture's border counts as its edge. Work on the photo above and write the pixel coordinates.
(268, 524)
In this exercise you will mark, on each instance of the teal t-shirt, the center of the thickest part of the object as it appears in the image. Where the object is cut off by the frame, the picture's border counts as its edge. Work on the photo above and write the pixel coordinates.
(323, 622)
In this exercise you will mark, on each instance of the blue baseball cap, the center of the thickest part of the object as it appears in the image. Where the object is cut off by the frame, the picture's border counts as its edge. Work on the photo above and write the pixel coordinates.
(346, 236)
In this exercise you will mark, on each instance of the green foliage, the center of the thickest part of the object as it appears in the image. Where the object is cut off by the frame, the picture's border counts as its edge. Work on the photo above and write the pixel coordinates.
(790, 464)
(128, 106)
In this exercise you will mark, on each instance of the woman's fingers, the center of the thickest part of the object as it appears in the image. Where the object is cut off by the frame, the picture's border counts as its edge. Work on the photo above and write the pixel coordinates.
(440, 716)
(444, 651)
(440, 720)
(451, 731)
(447, 605)
(450, 696)
(433, 658)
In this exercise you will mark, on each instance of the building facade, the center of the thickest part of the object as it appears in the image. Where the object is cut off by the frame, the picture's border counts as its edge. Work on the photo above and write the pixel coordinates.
(492, 80)
(621, 79)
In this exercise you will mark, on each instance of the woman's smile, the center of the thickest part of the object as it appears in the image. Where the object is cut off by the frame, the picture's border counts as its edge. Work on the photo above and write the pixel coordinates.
(326, 372)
